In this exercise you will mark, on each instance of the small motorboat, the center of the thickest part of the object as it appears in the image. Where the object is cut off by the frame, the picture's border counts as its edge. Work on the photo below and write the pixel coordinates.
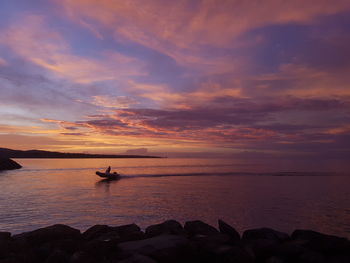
(108, 175)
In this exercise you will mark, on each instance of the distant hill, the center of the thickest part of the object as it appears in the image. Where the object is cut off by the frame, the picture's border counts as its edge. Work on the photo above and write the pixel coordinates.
(9, 153)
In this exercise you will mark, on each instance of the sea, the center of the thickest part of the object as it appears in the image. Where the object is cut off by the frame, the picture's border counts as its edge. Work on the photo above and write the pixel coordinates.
(245, 195)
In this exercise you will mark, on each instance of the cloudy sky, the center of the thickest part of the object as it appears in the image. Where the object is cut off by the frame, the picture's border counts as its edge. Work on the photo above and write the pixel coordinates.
(229, 77)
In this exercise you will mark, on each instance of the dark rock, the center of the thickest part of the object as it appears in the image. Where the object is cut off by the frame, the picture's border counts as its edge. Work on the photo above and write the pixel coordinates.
(58, 256)
(262, 248)
(199, 228)
(164, 248)
(96, 231)
(236, 254)
(275, 259)
(311, 257)
(126, 229)
(111, 236)
(169, 227)
(8, 164)
(117, 234)
(5, 249)
(325, 244)
(229, 230)
(129, 232)
(138, 259)
(81, 257)
(289, 250)
(218, 248)
(339, 259)
(49, 234)
(264, 233)
(97, 250)
(210, 243)
(263, 242)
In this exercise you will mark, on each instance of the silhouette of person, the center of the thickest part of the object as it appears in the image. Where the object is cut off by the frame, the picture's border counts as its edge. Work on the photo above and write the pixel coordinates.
(108, 170)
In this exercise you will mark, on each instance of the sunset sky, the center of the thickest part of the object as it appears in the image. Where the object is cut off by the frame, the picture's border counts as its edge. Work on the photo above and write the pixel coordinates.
(177, 78)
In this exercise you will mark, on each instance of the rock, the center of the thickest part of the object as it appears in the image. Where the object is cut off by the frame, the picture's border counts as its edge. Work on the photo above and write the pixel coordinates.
(49, 234)
(81, 257)
(229, 230)
(199, 228)
(117, 234)
(138, 259)
(8, 164)
(274, 259)
(236, 254)
(325, 244)
(264, 233)
(166, 228)
(58, 256)
(311, 257)
(218, 248)
(211, 243)
(5, 249)
(262, 248)
(263, 241)
(129, 232)
(164, 248)
(97, 250)
(289, 250)
(96, 231)
(68, 246)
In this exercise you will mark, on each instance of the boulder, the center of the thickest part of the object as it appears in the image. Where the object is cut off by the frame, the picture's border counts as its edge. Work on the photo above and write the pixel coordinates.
(237, 254)
(274, 259)
(8, 164)
(264, 233)
(229, 230)
(164, 248)
(199, 228)
(117, 234)
(289, 250)
(81, 257)
(325, 244)
(129, 232)
(58, 256)
(97, 251)
(166, 228)
(49, 234)
(311, 257)
(262, 248)
(96, 231)
(5, 249)
(138, 259)
(210, 243)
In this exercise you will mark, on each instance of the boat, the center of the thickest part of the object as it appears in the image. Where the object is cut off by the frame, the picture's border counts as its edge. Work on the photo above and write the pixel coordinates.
(108, 175)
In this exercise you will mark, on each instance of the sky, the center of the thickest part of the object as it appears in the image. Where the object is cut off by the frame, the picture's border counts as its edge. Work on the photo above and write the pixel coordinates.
(246, 79)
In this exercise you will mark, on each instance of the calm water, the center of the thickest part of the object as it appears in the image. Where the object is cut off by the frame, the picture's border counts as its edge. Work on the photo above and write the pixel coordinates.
(48, 191)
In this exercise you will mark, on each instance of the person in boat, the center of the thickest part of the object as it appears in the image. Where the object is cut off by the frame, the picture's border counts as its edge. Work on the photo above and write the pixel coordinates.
(108, 170)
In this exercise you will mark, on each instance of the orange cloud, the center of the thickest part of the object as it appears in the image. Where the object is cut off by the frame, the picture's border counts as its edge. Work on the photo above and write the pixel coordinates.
(306, 82)
(202, 95)
(33, 40)
(2, 62)
(183, 28)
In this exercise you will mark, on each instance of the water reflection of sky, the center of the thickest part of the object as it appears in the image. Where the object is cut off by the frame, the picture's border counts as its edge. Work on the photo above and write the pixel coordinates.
(31, 199)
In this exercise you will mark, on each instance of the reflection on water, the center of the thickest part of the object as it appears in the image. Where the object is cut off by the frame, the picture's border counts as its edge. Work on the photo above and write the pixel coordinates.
(47, 192)
(105, 183)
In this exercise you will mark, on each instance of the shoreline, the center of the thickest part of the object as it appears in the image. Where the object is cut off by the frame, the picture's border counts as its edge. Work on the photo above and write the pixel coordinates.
(195, 241)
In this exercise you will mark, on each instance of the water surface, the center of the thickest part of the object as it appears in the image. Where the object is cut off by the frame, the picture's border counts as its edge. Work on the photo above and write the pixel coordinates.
(67, 191)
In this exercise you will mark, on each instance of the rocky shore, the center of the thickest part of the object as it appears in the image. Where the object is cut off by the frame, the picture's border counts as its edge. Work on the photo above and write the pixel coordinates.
(8, 164)
(171, 242)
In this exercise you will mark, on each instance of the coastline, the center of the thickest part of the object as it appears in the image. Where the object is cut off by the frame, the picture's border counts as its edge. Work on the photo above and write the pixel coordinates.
(195, 241)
